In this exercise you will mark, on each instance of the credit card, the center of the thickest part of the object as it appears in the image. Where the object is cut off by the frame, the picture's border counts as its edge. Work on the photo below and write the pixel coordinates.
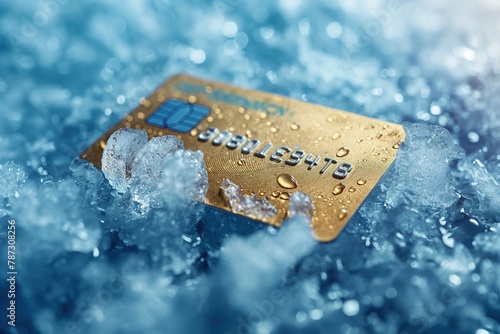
(270, 146)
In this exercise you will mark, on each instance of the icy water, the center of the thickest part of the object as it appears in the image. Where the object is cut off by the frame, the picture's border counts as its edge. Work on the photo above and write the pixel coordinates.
(98, 254)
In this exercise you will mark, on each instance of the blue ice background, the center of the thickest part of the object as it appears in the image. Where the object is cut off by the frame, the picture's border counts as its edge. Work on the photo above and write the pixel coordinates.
(421, 256)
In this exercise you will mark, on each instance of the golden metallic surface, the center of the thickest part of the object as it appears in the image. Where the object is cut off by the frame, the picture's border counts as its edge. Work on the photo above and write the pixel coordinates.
(369, 145)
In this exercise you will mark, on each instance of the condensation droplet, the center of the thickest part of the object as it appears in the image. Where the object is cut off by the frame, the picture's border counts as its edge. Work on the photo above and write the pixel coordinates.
(287, 181)
(192, 99)
(338, 189)
(343, 152)
(294, 126)
(336, 135)
(361, 182)
(275, 193)
(241, 162)
(261, 193)
(384, 159)
(285, 196)
(396, 146)
(194, 132)
(352, 189)
(342, 214)
(102, 143)
(145, 102)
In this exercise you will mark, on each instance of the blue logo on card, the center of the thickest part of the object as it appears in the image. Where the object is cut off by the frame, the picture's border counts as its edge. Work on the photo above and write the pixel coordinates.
(178, 115)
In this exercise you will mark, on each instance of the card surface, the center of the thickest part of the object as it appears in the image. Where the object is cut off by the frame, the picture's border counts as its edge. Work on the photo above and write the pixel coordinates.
(270, 146)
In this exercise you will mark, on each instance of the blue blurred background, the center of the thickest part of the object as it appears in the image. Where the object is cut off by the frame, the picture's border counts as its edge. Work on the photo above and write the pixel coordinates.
(69, 70)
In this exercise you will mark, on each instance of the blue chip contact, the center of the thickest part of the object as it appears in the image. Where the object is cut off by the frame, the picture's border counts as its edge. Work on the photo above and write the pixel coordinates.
(178, 115)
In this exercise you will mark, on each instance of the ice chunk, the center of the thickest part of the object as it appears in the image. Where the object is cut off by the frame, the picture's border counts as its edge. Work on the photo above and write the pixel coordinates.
(249, 205)
(156, 171)
(160, 214)
(184, 176)
(119, 154)
(479, 186)
(421, 176)
(11, 177)
(148, 163)
(94, 188)
(147, 170)
(301, 205)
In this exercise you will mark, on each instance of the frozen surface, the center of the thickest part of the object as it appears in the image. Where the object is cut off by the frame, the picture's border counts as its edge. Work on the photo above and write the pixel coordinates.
(124, 253)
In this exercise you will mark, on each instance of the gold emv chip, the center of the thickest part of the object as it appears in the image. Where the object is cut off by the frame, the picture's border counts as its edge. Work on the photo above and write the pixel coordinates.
(270, 146)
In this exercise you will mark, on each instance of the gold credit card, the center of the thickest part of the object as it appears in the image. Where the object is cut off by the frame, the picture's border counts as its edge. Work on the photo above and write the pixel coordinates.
(270, 146)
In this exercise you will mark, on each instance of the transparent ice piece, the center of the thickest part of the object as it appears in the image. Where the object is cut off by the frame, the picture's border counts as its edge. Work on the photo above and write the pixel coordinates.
(119, 154)
(148, 162)
(249, 205)
(421, 176)
(147, 170)
(482, 186)
(184, 176)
